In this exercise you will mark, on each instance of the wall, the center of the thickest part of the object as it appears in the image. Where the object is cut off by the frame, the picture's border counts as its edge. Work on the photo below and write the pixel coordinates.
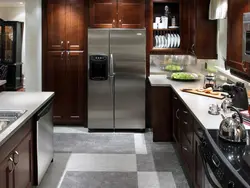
(15, 14)
(33, 53)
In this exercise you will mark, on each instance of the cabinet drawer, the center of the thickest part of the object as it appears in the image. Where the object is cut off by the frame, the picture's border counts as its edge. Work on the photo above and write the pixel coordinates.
(13, 141)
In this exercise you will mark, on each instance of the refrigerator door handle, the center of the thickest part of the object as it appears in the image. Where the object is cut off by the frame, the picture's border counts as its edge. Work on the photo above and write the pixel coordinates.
(111, 65)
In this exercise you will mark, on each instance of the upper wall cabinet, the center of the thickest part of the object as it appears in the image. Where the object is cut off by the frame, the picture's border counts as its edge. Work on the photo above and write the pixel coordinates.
(203, 32)
(234, 38)
(117, 14)
(65, 25)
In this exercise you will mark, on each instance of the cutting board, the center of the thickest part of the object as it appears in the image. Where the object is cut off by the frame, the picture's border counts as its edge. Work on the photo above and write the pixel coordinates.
(203, 93)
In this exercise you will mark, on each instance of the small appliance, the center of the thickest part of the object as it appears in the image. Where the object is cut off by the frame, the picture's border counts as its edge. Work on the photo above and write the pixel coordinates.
(232, 129)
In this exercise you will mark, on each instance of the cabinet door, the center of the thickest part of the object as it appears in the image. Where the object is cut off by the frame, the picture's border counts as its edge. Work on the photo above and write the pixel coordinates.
(103, 13)
(55, 73)
(56, 31)
(198, 178)
(176, 118)
(76, 86)
(234, 38)
(22, 157)
(7, 173)
(201, 44)
(75, 22)
(131, 14)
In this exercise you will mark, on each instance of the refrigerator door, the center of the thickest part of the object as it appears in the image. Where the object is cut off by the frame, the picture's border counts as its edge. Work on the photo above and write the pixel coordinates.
(100, 92)
(128, 48)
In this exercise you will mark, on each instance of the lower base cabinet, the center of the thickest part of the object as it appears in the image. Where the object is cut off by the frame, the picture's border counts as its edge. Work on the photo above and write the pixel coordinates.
(16, 165)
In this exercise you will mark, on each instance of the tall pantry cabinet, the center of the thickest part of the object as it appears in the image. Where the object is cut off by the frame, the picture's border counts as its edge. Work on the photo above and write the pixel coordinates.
(64, 54)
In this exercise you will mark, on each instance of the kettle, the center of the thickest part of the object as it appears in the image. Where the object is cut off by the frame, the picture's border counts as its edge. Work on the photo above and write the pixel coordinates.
(232, 129)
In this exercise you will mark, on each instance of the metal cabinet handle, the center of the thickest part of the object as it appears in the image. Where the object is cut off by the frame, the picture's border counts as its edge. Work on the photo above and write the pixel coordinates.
(175, 98)
(113, 24)
(68, 54)
(243, 64)
(185, 112)
(111, 71)
(185, 148)
(10, 164)
(176, 113)
(61, 43)
(16, 157)
(68, 43)
(185, 122)
(62, 55)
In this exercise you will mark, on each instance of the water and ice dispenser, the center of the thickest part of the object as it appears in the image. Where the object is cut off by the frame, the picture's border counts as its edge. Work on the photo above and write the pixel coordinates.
(98, 67)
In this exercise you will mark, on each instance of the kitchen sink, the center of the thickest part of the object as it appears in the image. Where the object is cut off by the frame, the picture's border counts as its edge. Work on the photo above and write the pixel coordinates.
(7, 117)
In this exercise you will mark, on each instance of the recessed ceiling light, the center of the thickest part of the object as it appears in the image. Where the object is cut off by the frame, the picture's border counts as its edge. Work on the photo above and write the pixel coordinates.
(21, 3)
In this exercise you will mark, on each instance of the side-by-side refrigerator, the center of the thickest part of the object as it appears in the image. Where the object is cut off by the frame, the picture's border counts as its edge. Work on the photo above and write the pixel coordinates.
(116, 78)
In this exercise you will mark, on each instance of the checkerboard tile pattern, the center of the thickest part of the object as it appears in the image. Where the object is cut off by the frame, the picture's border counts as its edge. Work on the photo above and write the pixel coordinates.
(112, 160)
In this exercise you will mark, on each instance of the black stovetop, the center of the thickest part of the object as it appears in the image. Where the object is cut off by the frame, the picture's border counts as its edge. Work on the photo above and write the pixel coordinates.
(237, 154)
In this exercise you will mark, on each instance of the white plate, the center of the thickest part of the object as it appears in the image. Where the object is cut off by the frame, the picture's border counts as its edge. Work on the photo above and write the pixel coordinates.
(172, 40)
(179, 41)
(175, 41)
(166, 41)
(162, 41)
(156, 41)
(169, 41)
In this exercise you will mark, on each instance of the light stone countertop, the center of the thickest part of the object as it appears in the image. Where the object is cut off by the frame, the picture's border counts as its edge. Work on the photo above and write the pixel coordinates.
(2, 82)
(30, 101)
(197, 104)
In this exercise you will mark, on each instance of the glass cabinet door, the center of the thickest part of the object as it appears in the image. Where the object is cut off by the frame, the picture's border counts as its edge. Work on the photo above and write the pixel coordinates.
(8, 44)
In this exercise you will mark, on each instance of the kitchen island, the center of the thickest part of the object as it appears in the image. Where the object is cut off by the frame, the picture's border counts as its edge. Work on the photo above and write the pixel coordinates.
(18, 141)
(184, 118)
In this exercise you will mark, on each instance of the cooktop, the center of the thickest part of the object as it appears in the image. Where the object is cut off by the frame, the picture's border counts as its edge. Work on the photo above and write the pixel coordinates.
(237, 154)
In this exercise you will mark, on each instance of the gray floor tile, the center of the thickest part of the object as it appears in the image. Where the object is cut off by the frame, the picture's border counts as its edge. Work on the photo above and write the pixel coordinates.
(166, 161)
(100, 180)
(166, 180)
(55, 171)
(148, 180)
(102, 162)
(180, 179)
(94, 143)
(145, 163)
(160, 147)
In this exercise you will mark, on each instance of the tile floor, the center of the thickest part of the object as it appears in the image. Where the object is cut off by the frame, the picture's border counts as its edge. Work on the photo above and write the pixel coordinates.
(112, 160)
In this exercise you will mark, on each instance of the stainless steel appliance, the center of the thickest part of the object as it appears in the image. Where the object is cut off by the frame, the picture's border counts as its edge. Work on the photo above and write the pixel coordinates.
(246, 38)
(116, 79)
(224, 163)
(44, 138)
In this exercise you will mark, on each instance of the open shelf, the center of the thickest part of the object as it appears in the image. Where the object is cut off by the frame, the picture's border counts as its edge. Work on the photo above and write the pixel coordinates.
(167, 51)
(168, 29)
(166, 1)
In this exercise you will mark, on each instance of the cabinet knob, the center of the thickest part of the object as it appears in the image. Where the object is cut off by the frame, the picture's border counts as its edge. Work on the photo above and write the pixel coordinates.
(62, 55)
(113, 20)
(10, 164)
(61, 43)
(16, 157)
(120, 21)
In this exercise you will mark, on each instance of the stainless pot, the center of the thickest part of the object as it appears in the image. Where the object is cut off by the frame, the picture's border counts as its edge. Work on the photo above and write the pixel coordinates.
(232, 129)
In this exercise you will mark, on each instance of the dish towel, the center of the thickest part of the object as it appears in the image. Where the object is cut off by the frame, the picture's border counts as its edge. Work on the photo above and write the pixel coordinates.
(218, 9)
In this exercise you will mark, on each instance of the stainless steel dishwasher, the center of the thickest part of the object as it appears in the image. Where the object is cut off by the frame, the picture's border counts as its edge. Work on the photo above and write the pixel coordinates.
(44, 141)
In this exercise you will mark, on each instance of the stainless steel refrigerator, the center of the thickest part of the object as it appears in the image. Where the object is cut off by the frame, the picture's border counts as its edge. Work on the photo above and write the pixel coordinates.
(116, 78)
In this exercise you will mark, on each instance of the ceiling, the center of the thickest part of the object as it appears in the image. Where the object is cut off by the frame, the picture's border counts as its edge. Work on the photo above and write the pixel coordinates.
(11, 3)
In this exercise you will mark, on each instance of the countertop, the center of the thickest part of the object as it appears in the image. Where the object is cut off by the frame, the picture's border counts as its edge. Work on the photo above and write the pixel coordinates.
(30, 101)
(197, 104)
(2, 82)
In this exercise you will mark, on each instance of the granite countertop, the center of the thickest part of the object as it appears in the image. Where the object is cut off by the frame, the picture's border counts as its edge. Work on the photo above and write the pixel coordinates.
(30, 101)
(197, 104)
(2, 82)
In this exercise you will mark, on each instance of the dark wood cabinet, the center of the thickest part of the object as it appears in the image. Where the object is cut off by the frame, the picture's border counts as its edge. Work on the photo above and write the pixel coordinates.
(56, 25)
(198, 178)
(22, 159)
(16, 162)
(117, 14)
(161, 113)
(202, 45)
(131, 13)
(64, 62)
(103, 13)
(7, 172)
(176, 118)
(55, 74)
(75, 87)
(234, 36)
(75, 24)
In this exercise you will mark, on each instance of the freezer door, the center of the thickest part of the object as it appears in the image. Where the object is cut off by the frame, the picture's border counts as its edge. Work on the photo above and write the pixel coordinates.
(100, 91)
(128, 48)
